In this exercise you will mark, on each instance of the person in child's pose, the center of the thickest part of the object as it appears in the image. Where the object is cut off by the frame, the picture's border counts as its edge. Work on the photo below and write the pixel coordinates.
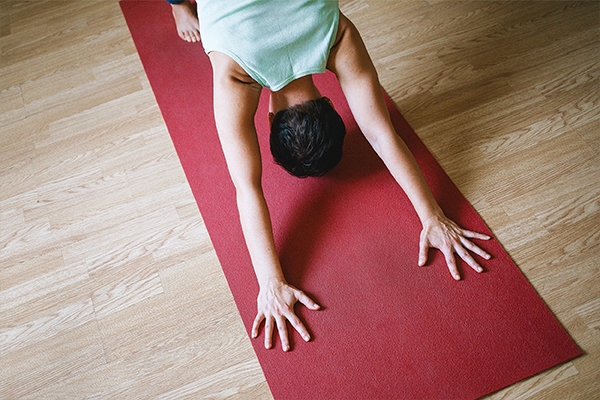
(278, 45)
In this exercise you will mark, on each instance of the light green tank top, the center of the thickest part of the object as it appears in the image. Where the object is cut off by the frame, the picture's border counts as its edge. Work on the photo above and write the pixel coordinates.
(274, 41)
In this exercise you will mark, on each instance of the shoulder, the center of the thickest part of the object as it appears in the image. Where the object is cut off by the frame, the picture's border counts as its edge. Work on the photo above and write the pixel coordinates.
(227, 70)
(235, 94)
(346, 34)
(348, 56)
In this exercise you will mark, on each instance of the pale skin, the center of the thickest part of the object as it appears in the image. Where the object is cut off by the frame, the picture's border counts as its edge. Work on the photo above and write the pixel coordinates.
(186, 21)
(236, 97)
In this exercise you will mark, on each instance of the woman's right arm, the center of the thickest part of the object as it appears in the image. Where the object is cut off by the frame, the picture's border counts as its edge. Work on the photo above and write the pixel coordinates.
(235, 103)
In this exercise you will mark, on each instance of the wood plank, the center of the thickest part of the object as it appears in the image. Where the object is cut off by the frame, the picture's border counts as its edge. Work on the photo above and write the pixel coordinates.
(109, 285)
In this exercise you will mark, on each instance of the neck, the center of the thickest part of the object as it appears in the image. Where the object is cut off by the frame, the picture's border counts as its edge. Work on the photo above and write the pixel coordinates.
(295, 92)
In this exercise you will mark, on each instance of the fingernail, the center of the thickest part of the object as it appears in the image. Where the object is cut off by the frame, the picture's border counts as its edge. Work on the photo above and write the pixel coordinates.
(479, 269)
(306, 338)
(487, 256)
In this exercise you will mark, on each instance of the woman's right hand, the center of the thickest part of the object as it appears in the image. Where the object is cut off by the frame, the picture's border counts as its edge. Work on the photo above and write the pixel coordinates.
(276, 301)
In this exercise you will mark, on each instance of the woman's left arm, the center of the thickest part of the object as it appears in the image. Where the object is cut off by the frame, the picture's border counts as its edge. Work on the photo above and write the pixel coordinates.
(351, 63)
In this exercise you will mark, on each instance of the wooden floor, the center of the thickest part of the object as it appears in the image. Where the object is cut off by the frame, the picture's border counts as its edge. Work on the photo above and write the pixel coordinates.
(109, 285)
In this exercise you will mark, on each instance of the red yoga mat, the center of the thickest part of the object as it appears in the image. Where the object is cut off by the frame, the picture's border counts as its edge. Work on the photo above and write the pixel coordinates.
(388, 329)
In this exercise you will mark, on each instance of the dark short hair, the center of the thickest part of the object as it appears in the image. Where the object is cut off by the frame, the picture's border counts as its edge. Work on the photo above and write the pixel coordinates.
(307, 138)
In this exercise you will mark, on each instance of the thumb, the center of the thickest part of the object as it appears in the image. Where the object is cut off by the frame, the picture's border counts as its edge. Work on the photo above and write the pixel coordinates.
(307, 301)
(423, 250)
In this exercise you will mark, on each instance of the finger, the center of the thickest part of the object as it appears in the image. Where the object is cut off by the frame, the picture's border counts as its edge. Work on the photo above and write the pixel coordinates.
(257, 321)
(475, 235)
(283, 334)
(475, 249)
(423, 251)
(464, 254)
(449, 255)
(307, 301)
(196, 35)
(298, 326)
(268, 332)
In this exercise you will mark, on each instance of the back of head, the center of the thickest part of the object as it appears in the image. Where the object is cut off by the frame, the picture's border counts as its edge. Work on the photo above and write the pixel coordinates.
(307, 139)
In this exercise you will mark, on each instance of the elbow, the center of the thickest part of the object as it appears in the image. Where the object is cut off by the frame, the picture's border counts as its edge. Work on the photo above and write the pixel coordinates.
(246, 189)
(375, 140)
(383, 143)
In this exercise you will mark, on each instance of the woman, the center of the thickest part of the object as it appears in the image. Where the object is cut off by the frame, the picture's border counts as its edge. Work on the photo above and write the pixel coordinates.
(278, 45)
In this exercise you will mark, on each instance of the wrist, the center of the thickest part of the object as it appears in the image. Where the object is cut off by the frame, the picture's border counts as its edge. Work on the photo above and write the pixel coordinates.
(433, 214)
(271, 281)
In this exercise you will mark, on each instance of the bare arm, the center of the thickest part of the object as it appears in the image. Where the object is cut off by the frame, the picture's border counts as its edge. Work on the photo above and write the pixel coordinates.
(358, 78)
(235, 102)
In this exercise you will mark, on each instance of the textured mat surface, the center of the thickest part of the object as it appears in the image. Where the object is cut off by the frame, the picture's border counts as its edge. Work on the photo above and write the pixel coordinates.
(389, 329)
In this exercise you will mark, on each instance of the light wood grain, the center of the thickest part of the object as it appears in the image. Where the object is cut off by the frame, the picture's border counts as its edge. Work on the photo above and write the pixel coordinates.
(109, 285)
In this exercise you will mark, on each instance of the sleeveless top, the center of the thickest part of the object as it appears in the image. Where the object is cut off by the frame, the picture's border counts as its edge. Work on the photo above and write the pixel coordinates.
(274, 41)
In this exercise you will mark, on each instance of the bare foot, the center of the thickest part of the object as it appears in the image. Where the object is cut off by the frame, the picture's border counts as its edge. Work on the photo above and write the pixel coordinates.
(188, 27)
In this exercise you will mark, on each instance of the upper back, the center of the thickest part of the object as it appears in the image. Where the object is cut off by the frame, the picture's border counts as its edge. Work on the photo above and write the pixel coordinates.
(274, 41)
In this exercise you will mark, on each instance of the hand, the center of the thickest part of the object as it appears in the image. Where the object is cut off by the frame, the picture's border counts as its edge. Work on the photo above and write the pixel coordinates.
(445, 235)
(276, 302)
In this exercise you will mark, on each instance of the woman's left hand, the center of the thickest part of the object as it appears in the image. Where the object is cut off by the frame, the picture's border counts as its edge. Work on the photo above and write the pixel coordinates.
(445, 235)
